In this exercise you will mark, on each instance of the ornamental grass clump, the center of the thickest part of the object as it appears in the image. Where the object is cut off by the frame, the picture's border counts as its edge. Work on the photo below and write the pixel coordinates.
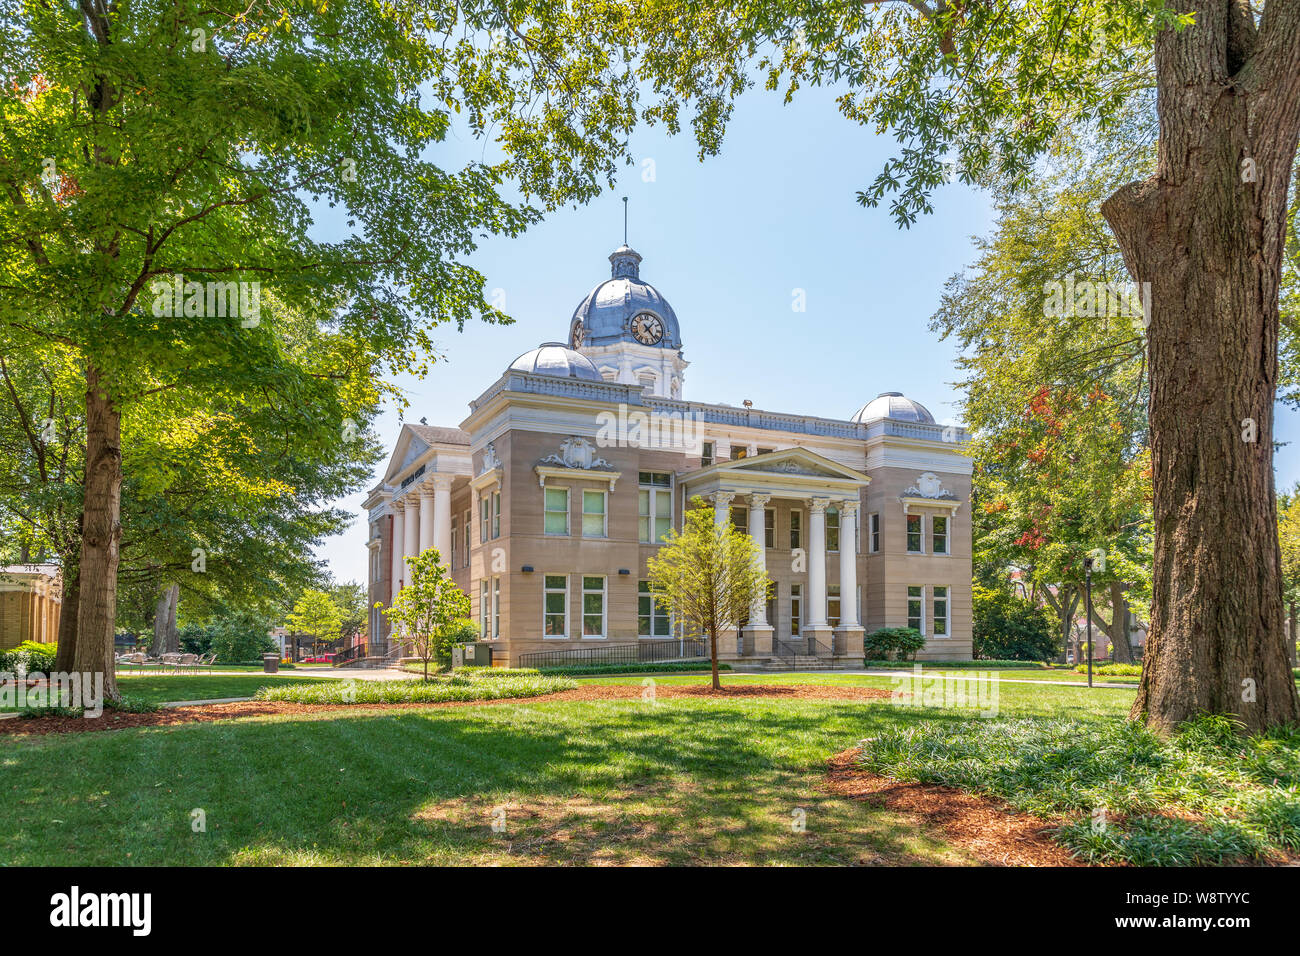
(1119, 792)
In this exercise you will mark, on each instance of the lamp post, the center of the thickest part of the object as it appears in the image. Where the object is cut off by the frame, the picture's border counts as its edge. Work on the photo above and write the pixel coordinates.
(1087, 581)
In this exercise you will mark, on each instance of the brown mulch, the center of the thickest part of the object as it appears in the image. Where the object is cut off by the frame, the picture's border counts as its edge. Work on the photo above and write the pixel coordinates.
(202, 713)
(995, 835)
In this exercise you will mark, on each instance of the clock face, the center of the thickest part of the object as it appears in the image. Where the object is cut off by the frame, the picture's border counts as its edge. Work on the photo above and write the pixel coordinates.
(577, 334)
(647, 329)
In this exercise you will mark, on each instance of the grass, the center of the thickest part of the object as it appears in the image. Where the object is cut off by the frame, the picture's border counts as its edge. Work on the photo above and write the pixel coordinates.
(163, 688)
(683, 780)
(1123, 793)
(647, 667)
(436, 690)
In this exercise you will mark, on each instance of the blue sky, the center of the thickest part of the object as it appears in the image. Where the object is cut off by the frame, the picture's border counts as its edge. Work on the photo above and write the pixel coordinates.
(727, 242)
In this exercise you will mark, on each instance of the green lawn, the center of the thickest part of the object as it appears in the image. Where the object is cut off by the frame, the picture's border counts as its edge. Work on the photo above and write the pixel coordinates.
(161, 688)
(680, 781)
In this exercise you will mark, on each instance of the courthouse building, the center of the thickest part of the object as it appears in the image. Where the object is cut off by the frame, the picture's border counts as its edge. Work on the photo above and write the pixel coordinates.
(549, 497)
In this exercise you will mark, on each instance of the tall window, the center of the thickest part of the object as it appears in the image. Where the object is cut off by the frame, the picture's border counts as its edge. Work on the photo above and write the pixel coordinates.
(796, 530)
(707, 455)
(593, 514)
(484, 607)
(914, 534)
(769, 527)
(593, 606)
(556, 518)
(468, 525)
(555, 605)
(455, 537)
(651, 616)
(484, 518)
(496, 514)
(832, 528)
(655, 506)
(740, 519)
(796, 608)
(833, 605)
(874, 521)
(496, 608)
(916, 607)
(940, 600)
(939, 534)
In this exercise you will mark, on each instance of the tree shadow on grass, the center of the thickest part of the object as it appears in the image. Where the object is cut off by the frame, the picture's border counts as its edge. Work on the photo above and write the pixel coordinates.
(680, 781)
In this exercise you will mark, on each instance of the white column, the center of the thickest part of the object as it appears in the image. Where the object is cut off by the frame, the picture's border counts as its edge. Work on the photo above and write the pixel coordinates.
(722, 506)
(817, 562)
(426, 518)
(399, 568)
(849, 563)
(411, 537)
(442, 517)
(757, 531)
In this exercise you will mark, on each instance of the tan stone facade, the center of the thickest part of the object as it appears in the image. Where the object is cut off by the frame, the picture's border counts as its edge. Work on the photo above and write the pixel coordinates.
(31, 599)
(534, 434)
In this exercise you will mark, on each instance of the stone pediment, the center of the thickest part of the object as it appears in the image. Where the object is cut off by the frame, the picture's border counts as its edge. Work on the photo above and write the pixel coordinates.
(789, 466)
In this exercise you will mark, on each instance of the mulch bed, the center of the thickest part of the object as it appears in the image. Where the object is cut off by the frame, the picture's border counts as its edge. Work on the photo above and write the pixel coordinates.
(202, 713)
(984, 827)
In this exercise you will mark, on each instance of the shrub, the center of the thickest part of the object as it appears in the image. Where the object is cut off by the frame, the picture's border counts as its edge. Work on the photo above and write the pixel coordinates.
(976, 665)
(242, 636)
(436, 690)
(472, 670)
(896, 641)
(650, 667)
(1112, 670)
(462, 631)
(1011, 627)
(131, 704)
(30, 656)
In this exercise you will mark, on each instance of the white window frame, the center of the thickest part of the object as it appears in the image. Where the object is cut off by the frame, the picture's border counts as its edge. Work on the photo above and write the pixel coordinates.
(546, 591)
(469, 536)
(496, 608)
(873, 532)
(568, 507)
(799, 512)
(484, 517)
(839, 600)
(496, 515)
(455, 534)
(484, 607)
(604, 523)
(708, 454)
(839, 529)
(652, 516)
(604, 605)
(947, 611)
(657, 611)
(796, 610)
(907, 608)
(907, 534)
(769, 525)
(947, 535)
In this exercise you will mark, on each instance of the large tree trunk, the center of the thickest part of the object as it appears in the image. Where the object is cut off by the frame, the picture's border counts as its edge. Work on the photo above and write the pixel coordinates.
(166, 639)
(101, 532)
(1206, 232)
(1119, 624)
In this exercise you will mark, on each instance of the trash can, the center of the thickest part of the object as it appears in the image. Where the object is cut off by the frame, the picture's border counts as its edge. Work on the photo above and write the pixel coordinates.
(271, 663)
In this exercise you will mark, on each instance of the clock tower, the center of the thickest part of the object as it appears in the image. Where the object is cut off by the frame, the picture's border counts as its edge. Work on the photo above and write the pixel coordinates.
(629, 331)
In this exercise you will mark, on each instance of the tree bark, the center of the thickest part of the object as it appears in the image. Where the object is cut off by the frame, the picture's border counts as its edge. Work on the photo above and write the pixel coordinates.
(1119, 624)
(713, 656)
(1206, 232)
(67, 649)
(166, 639)
(101, 533)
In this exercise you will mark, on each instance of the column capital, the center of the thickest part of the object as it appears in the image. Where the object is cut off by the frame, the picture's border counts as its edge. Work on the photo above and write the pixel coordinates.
(757, 500)
(818, 506)
(722, 499)
(441, 482)
(850, 507)
(399, 506)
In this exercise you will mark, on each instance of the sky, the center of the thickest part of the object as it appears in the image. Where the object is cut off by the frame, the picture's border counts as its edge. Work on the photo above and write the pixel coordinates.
(730, 242)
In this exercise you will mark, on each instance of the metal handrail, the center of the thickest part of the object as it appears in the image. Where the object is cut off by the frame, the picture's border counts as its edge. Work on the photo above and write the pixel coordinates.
(655, 649)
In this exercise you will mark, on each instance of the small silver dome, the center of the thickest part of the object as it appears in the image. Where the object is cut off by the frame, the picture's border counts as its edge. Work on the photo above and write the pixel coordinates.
(556, 358)
(894, 405)
(606, 313)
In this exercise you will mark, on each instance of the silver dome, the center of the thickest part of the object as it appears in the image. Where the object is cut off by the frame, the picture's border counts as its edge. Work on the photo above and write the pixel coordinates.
(894, 405)
(556, 358)
(607, 311)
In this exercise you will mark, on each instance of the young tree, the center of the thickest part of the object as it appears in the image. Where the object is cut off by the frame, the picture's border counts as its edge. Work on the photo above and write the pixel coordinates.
(429, 608)
(708, 576)
(316, 615)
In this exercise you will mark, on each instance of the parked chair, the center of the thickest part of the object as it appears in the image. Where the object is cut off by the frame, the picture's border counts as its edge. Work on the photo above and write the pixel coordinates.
(187, 662)
(137, 660)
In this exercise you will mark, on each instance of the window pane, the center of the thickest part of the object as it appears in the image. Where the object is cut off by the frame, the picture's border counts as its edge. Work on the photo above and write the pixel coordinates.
(593, 584)
(914, 533)
(557, 499)
(557, 523)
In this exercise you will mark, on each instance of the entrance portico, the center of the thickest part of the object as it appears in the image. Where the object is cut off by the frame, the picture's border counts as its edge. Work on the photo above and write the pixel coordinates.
(800, 482)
